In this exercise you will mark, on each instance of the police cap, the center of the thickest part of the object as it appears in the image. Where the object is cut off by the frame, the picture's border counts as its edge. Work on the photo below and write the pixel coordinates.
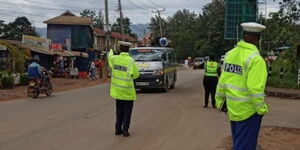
(253, 27)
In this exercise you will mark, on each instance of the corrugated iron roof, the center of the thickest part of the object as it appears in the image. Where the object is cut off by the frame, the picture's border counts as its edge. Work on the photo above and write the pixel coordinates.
(116, 35)
(69, 18)
(19, 43)
(79, 54)
(119, 36)
(99, 32)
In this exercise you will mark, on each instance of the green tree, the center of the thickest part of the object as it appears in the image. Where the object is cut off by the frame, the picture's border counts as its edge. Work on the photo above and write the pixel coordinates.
(154, 26)
(98, 19)
(282, 30)
(16, 29)
(182, 27)
(17, 58)
(290, 11)
(196, 35)
(1, 26)
(88, 13)
(116, 27)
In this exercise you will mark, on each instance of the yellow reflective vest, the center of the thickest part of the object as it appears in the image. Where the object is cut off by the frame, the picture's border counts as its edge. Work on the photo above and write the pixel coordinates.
(211, 69)
(124, 71)
(242, 82)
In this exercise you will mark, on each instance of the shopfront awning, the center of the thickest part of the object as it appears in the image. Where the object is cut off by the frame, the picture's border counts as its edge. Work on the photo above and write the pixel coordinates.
(62, 53)
(79, 54)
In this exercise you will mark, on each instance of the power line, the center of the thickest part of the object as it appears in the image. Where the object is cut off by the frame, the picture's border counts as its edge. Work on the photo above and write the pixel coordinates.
(146, 5)
(137, 5)
(154, 3)
(160, 22)
(45, 8)
(68, 7)
(35, 7)
(23, 13)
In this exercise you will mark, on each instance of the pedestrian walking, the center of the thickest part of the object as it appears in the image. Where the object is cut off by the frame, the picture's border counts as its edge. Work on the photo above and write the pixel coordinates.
(210, 80)
(93, 70)
(241, 87)
(124, 71)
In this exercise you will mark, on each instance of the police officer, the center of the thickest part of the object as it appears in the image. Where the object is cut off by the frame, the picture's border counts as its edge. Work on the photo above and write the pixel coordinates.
(210, 80)
(241, 88)
(124, 71)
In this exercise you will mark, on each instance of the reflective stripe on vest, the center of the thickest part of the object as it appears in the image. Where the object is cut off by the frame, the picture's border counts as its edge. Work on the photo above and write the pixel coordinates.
(122, 86)
(249, 60)
(119, 78)
(230, 86)
(234, 98)
(245, 90)
(127, 79)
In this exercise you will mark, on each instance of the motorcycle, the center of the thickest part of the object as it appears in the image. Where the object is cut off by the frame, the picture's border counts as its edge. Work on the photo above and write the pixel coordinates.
(40, 85)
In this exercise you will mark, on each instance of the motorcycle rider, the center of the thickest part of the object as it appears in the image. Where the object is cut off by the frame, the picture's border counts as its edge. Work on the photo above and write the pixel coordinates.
(35, 70)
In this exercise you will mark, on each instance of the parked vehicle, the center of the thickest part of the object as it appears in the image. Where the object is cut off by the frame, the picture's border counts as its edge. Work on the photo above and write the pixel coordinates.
(198, 63)
(40, 85)
(157, 66)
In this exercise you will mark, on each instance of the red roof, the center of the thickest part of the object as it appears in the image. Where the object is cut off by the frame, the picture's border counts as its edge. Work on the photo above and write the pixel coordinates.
(100, 32)
(119, 36)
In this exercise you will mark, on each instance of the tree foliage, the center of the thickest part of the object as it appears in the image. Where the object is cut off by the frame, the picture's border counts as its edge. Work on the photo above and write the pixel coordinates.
(15, 30)
(196, 35)
(289, 11)
(283, 31)
(155, 26)
(17, 58)
(98, 19)
(116, 27)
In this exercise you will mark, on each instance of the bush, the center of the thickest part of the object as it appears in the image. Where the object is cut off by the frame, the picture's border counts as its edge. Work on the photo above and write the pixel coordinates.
(8, 82)
(24, 79)
(3, 74)
(288, 81)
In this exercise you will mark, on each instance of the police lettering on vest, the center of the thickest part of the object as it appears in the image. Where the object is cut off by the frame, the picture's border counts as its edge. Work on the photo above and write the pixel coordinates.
(233, 69)
(120, 68)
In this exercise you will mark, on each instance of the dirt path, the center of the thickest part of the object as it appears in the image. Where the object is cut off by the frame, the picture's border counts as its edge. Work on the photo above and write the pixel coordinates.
(272, 138)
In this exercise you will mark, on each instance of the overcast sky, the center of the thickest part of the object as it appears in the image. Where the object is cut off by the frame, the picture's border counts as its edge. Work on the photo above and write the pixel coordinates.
(139, 11)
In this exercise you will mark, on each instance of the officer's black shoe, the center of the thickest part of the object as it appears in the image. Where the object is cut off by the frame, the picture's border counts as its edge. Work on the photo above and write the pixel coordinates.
(118, 133)
(126, 134)
(205, 106)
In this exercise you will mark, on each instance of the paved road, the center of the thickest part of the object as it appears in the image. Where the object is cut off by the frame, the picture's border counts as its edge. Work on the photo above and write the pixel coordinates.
(84, 119)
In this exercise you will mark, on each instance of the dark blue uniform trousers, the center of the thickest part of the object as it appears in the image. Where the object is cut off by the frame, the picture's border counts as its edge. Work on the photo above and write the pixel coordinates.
(245, 133)
(123, 115)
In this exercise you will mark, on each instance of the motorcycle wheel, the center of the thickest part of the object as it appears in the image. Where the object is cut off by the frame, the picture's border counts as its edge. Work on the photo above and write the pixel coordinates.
(49, 89)
(36, 93)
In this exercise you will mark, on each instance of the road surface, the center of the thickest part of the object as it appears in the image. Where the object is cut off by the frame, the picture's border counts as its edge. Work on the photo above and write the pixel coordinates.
(84, 119)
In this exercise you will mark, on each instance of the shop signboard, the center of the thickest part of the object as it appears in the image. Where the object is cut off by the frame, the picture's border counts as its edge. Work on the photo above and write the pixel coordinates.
(56, 46)
(36, 42)
(3, 48)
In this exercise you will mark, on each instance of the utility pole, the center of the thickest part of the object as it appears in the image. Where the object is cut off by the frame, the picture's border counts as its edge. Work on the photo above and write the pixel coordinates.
(159, 19)
(107, 27)
(122, 20)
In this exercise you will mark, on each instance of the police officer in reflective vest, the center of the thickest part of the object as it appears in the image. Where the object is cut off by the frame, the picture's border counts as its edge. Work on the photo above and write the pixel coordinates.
(210, 80)
(241, 88)
(124, 71)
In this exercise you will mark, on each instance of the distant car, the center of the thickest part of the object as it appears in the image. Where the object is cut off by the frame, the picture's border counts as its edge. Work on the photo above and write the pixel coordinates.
(198, 63)
(206, 58)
